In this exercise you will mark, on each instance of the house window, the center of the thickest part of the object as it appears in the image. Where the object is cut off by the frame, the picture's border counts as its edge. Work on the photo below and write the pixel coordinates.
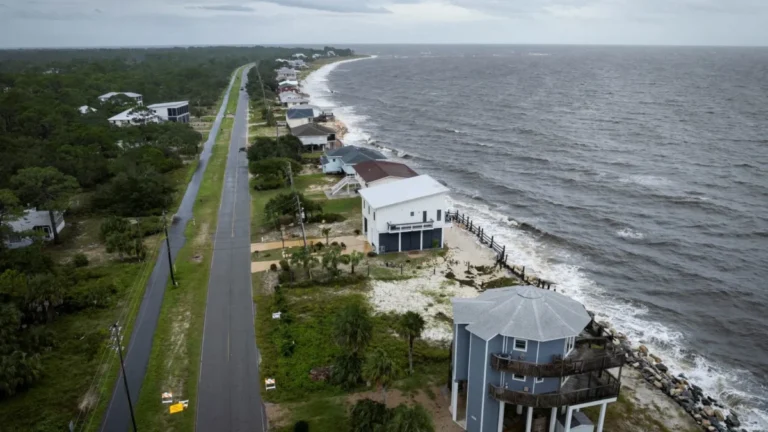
(411, 213)
(569, 344)
(374, 215)
(521, 345)
(539, 380)
(439, 215)
(517, 377)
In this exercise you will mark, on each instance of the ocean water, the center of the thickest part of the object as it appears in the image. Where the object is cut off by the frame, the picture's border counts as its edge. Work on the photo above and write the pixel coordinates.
(636, 178)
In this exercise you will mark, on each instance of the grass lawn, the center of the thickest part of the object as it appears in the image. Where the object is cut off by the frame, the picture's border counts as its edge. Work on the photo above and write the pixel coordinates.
(322, 414)
(175, 360)
(274, 254)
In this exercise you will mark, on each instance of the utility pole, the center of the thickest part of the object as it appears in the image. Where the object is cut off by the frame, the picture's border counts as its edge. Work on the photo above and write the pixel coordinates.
(116, 328)
(168, 248)
(298, 202)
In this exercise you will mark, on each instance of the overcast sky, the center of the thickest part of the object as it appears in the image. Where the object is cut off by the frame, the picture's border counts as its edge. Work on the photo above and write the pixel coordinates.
(61, 23)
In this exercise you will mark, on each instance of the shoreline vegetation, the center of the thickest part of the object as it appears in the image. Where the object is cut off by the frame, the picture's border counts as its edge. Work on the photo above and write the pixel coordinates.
(651, 399)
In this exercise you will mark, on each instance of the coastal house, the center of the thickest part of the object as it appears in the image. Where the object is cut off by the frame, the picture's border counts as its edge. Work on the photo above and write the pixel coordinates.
(299, 115)
(135, 116)
(286, 74)
(343, 160)
(287, 86)
(331, 53)
(315, 136)
(34, 220)
(523, 351)
(316, 56)
(177, 112)
(405, 215)
(85, 109)
(377, 172)
(289, 98)
(137, 99)
(299, 55)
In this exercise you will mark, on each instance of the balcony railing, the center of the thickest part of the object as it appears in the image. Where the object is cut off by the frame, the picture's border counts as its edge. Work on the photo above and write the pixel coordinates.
(584, 358)
(605, 387)
(405, 227)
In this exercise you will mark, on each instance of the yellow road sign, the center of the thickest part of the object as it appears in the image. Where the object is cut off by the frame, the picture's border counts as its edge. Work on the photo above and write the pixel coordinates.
(176, 408)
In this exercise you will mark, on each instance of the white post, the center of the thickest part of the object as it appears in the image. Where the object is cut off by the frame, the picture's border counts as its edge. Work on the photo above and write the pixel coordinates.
(421, 240)
(529, 419)
(552, 420)
(601, 420)
(568, 420)
(519, 409)
(454, 400)
(501, 416)
(400, 242)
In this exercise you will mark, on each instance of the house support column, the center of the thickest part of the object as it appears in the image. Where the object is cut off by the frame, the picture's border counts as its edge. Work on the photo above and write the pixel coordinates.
(519, 410)
(552, 420)
(601, 420)
(501, 416)
(529, 419)
(568, 416)
(421, 240)
(454, 400)
(399, 242)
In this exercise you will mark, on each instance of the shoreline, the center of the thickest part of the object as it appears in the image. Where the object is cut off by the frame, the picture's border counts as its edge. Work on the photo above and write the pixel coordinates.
(650, 369)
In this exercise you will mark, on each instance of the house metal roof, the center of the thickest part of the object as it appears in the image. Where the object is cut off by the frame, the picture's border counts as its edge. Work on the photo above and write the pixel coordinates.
(524, 312)
(311, 129)
(378, 169)
(351, 155)
(300, 112)
(112, 94)
(409, 189)
(169, 104)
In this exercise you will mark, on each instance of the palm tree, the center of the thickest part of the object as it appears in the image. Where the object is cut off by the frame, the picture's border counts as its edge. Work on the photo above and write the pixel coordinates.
(326, 232)
(347, 369)
(353, 328)
(410, 327)
(305, 258)
(410, 419)
(368, 416)
(354, 259)
(380, 370)
(331, 260)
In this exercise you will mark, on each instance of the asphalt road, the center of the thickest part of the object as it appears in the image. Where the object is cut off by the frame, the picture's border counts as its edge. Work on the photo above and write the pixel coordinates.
(229, 396)
(118, 417)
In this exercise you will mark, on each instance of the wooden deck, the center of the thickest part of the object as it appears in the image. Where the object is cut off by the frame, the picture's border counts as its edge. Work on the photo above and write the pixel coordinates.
(590, 354)
(578, 389)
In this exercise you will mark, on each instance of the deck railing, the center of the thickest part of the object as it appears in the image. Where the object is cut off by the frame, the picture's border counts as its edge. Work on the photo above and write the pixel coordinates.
(609, 387)
(583, 359)
(405, 227)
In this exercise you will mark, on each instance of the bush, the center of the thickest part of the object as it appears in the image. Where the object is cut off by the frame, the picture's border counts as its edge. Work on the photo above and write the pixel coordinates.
(357, 232)
(371, 254)
(273, 267)
(319, 246)
(335, 244)
(326, 218)
(268, 183)
(284, 265)
(285, 220)
(80, 260)
(450, 275)
(501, 282)
(343, 246)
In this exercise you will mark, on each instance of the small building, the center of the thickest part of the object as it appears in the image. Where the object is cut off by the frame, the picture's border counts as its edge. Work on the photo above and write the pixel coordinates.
(405, 215)
(287, 87)
(344, 159)
(137, 99)
(177, 112)
(315, 136)
(288, 74)
(316, 56)
(377, 172)
(299, 55)
(331, 54)
(85, 109)
(34, 220)
(523, 351)
(134, 116)
(289, 98)
(299, 115)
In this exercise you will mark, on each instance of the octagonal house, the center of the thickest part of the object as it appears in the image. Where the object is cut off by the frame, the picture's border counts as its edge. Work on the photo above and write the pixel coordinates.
(523, 348)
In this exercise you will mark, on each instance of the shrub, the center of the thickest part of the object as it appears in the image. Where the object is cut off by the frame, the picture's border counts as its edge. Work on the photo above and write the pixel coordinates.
(319, 246)
(80, 260)
(268, 183)
(371, 254)
(450, 275)
(285, 220)
(343, 246)
(501, 282)
(326, 218)
(335, 244)
(273, 267)
(357, 232)
(284, 265)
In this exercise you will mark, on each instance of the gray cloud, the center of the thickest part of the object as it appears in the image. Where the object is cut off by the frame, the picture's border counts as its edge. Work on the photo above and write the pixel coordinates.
(343, 6)
(224, 7)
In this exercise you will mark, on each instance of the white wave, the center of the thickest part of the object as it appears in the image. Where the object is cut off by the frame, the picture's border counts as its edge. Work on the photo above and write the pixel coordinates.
(630, 234)
(646, 180)
(630, 319)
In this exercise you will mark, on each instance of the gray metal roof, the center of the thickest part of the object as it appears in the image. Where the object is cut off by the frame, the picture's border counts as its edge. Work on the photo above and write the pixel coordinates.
(352, 154)
(299, 112)
(524, 312)
(311, 129)
(402, 191)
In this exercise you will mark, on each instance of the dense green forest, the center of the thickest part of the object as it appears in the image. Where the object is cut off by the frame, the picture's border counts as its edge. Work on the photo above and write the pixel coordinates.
(56, 302)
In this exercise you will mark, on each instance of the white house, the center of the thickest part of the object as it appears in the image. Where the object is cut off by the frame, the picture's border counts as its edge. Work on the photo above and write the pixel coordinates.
(177, 112)
(135, 96)
(34, 220)
(378, 172)
(405, 215)
(299, 115)
(134, 116)
(331, 54)
(285, 73)
(85, 109)
(299, 55)
(316, 56)
(314, 135)
(343, 160)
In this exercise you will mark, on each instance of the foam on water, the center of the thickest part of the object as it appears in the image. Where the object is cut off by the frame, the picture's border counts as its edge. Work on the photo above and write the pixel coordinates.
(629, 233)
(630, 319)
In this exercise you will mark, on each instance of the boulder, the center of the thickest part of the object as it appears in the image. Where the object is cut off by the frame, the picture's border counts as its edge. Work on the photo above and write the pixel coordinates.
(732, 420)
(662, 367)
(643, 349)
(655, 358)
(719, 415)
(706, 423)
(708, 411)
(658, 384)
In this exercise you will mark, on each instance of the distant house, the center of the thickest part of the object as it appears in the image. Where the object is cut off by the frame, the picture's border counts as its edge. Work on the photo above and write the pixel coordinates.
(291, 99)
(135, 116)
(135, 96)
(315, 136)
(285, 73)
(34, 220)
(316, 56)
(299, 115)
(344, 159)
(85, 109)
(287, 86)
(405, 215)
(331, 54)
(297, 64)
(177, 112)
(521, 349)
(299, 55)
(377, 172)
